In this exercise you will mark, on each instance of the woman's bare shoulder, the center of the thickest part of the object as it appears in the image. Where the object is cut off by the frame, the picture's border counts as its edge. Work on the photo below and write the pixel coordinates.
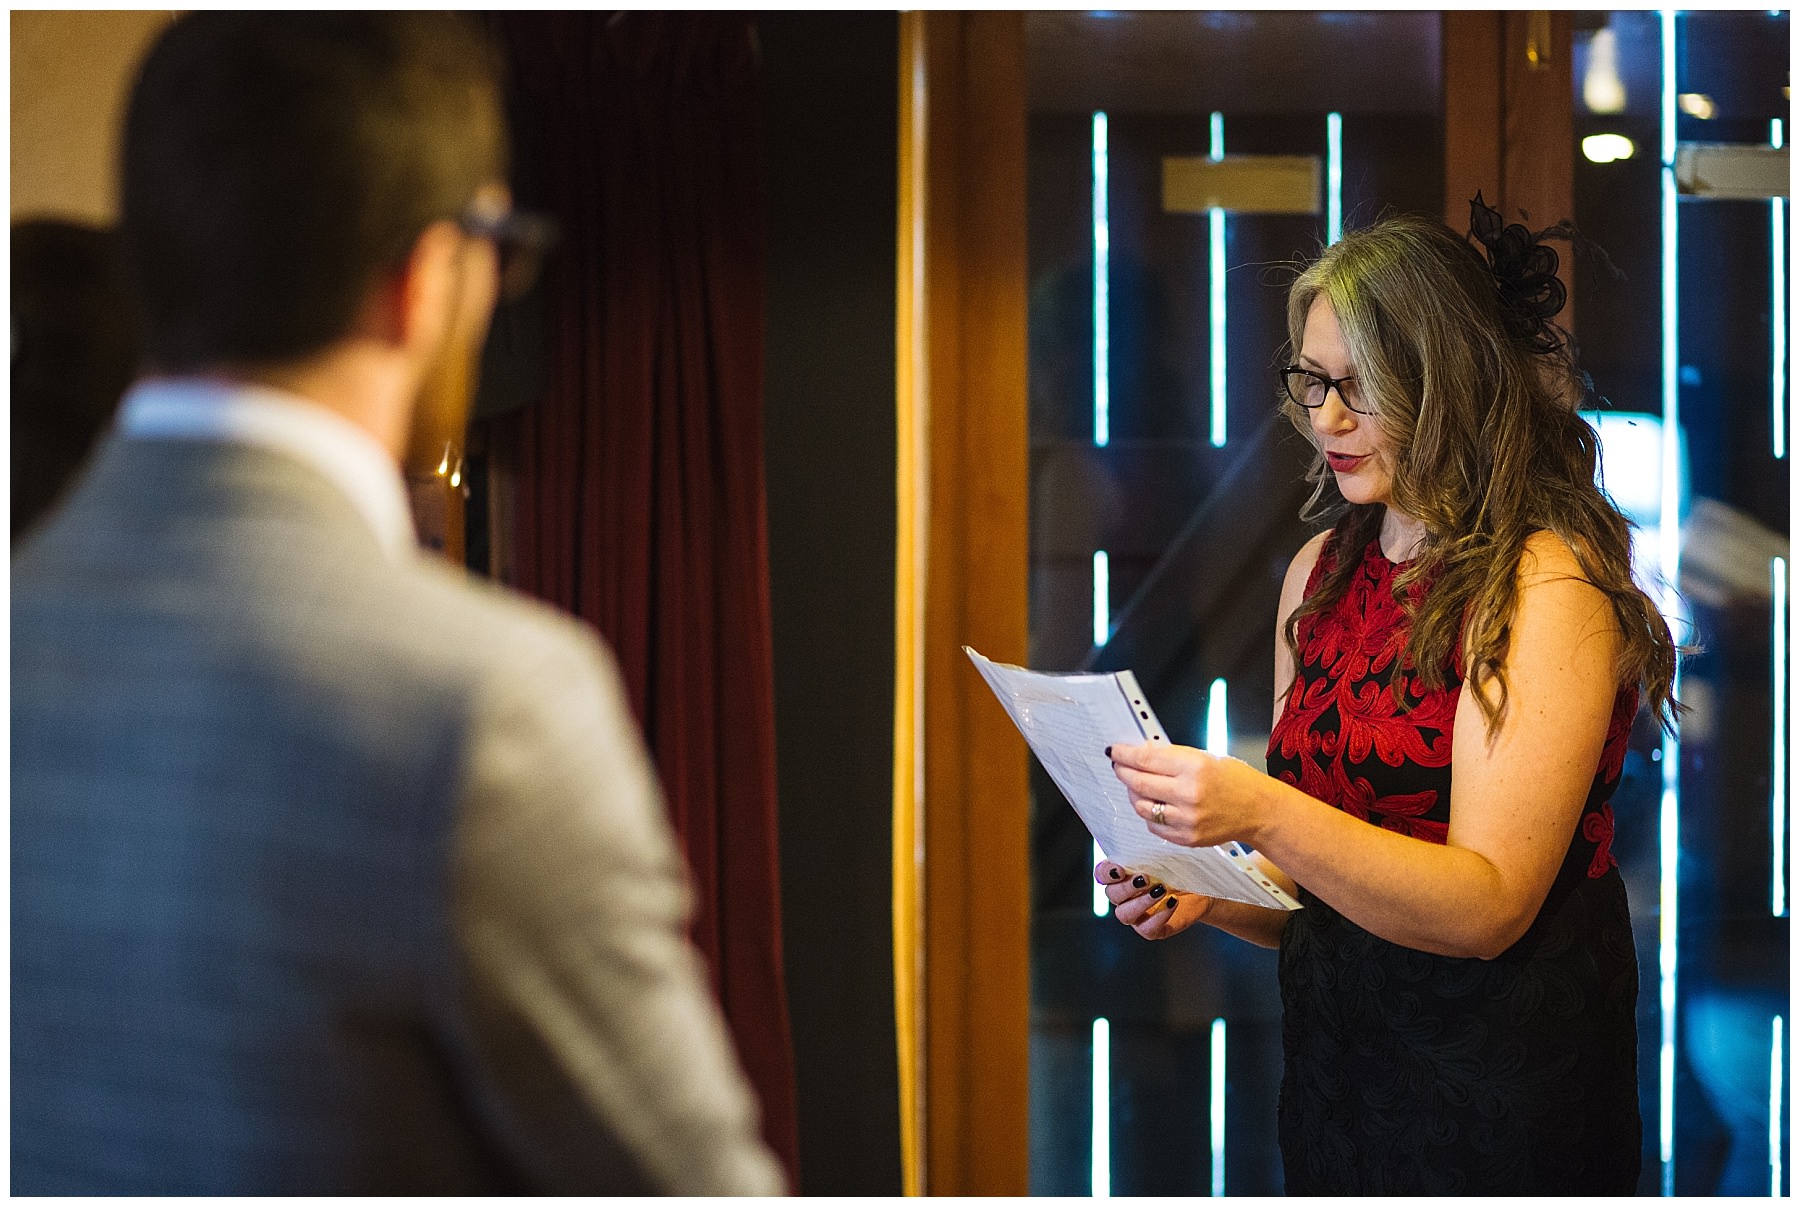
(1293, 587)
(1308, 557)
(1546, 558)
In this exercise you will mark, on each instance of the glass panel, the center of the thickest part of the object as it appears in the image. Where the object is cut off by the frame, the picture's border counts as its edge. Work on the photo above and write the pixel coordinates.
(1712, 1071)
(1158, 541)
(1165, 492)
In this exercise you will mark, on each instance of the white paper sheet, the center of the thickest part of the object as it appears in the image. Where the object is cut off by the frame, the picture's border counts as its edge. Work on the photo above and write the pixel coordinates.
(1068, 721)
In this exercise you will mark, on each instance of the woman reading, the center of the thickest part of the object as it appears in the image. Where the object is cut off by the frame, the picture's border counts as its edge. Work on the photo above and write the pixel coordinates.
(1458, 662)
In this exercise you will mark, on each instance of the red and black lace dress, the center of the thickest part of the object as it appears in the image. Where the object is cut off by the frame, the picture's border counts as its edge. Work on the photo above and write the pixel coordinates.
(1411, 1073)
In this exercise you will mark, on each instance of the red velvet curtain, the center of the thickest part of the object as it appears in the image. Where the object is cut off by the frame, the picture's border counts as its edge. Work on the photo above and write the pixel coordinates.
(639, 476)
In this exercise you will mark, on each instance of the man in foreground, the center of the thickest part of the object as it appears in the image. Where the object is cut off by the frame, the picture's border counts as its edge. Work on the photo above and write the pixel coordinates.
(333, 872)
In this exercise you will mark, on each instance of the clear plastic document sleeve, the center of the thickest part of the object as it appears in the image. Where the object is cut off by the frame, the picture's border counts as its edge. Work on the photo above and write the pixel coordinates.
(1068, 721)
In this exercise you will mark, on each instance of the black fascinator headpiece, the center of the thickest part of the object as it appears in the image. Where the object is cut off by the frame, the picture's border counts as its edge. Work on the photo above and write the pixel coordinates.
(1524, 270)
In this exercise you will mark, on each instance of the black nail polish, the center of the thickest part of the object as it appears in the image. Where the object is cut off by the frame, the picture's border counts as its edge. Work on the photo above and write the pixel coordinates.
(1114, 873)
(1171, 903)
(1109, 752)
(1138, 882)
(1158, 891)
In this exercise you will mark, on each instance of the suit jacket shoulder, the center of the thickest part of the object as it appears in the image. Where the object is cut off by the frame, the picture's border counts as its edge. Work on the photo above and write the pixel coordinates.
(355, 869)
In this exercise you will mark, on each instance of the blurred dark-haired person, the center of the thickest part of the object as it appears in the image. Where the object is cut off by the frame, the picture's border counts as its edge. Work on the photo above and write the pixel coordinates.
(73, 355)
(329, 865)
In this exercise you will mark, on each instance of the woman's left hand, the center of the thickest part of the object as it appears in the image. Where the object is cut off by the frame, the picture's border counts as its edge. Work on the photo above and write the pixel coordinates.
(1151, 908)
(1191, 797)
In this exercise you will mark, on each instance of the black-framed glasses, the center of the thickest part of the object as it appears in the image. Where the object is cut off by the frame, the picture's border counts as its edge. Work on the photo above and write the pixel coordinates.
(521, 240)
(1308, 389)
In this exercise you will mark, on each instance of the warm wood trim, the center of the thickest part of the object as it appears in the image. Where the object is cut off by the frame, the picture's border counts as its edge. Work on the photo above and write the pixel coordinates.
(1537, 167)
(1509, 122)
(434, 459)
(961, 788)
(1472, 111)
(911, 496)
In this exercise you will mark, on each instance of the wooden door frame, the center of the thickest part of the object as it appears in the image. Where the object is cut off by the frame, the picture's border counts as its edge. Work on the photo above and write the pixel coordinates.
(962, 924)
(961, 795)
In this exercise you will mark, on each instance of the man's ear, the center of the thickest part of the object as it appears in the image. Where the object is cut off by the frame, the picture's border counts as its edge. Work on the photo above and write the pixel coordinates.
(428, 303)
(410, 307)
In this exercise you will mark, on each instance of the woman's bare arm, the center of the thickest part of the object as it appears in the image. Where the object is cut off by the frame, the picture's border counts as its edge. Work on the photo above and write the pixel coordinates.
(1517, 791)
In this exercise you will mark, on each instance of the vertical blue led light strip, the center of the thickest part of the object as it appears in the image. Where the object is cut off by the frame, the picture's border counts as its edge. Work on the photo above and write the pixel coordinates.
(1102, 631)
(1216, 277)
(1778, 308)
(1670, 534)
(1218, 727)
(1334, 177)
(1102, 599)
(1778, 631)
(1100, 1181)
(1102, 417)
(1102, 904)
(1102, 303)
(1776, 1100)
(1218, 1108)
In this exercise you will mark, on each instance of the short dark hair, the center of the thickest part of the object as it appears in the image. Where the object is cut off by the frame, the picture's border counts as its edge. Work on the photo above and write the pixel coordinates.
(275, 163)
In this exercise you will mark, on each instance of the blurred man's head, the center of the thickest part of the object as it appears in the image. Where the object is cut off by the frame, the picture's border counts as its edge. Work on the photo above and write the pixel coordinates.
(280, 166)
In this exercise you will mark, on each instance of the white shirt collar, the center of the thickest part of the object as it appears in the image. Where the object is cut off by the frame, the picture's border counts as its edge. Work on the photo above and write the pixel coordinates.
(351, 459)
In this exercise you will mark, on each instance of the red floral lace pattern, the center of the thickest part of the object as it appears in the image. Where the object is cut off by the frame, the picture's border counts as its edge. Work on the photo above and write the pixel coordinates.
(1360, 732)
(1405, 1072)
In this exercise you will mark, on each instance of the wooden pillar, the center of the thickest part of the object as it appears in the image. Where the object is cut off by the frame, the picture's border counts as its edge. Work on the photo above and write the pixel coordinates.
(1509, 120)
(961, 806)
(434, 462)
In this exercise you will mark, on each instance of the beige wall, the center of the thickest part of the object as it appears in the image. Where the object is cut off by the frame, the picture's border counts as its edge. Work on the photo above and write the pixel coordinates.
(71, 72)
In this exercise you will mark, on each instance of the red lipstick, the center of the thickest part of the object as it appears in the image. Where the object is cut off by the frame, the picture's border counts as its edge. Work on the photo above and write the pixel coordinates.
(1343, 463)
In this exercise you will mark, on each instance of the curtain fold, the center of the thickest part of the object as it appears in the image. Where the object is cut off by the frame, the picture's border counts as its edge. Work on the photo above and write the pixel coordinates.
(639, 500)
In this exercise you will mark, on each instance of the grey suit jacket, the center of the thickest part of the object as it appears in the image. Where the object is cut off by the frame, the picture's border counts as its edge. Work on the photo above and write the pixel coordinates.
(332, 874)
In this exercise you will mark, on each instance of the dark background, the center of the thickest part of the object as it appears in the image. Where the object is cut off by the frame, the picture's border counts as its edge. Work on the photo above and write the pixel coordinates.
(830, 128)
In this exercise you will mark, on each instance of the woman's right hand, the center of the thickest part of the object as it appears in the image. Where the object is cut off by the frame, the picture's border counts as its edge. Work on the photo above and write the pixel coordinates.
(1146, 905)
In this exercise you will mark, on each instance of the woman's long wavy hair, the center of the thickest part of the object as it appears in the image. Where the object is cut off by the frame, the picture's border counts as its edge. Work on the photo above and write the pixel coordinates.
(1487, 448)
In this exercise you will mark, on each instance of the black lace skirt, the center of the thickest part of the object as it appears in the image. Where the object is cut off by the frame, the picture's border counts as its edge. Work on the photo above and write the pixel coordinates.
(1409, 1073)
